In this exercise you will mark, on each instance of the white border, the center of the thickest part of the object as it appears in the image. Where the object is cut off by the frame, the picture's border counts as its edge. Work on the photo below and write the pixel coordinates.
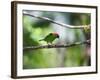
(21, 72)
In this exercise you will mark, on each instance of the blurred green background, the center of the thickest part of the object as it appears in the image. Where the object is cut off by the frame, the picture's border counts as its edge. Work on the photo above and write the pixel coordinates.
(35, 29)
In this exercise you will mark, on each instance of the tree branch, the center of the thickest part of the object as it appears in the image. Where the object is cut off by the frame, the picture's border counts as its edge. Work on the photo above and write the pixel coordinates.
(58, 23)
(55, 46)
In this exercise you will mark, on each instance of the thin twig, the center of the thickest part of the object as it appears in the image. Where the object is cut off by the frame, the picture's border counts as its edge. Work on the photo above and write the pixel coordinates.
(58, 23)
(55, 46)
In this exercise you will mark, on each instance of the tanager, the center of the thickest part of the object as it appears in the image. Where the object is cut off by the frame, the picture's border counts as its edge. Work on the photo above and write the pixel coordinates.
(50, 37)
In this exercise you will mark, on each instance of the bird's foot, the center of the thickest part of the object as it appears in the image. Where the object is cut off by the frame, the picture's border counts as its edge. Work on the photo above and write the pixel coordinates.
(50, 44)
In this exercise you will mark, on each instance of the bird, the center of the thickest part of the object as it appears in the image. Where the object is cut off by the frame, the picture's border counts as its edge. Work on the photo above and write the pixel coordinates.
(50, 37)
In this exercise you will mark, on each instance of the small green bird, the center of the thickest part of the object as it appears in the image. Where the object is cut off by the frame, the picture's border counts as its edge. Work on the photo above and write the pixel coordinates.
(50, 37)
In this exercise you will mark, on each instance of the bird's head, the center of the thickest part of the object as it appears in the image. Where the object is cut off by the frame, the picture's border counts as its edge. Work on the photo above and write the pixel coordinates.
(56, 34)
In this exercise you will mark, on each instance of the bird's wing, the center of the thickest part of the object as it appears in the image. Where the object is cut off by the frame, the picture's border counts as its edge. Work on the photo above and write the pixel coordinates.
(46, 38)
(49, 38)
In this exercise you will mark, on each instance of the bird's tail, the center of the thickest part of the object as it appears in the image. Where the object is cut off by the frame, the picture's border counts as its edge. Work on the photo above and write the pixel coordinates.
(41, 39)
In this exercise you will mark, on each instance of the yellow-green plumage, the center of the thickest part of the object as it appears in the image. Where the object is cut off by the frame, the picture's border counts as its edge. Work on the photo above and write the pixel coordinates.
(50, 37)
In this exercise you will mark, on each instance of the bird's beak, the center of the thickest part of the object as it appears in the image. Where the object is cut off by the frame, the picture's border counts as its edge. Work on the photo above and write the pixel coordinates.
(57, 36)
